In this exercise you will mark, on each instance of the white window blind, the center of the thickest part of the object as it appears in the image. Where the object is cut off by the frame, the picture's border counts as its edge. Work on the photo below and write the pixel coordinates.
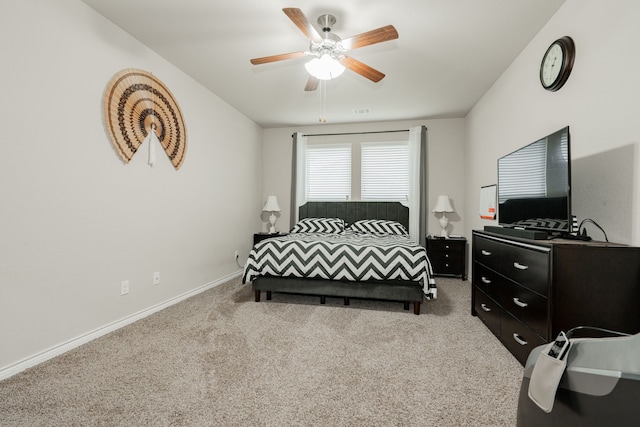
(523, 174)
(385, 171)
(328, 176)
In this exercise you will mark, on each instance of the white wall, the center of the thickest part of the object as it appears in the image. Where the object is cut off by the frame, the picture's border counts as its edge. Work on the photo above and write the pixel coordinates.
(74, 220)
(599, 102)
(445, 140)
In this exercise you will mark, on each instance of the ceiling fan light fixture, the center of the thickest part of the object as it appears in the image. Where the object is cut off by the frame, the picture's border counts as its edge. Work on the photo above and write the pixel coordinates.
(325, 67)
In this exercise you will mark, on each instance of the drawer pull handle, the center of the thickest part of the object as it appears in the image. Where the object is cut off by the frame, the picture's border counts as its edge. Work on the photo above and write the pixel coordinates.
(519, 339)
(485, 280)
(486, 253)
(520, 303)
(485, 308)
(520, 266)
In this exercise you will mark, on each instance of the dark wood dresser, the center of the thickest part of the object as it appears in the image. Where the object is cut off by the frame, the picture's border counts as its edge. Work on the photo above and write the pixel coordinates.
(527, 291)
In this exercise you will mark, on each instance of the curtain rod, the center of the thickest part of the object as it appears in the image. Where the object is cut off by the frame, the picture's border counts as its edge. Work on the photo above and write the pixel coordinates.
(355, 133)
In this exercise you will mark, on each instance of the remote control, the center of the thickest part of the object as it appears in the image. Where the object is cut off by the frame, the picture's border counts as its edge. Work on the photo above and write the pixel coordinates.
(560, 346)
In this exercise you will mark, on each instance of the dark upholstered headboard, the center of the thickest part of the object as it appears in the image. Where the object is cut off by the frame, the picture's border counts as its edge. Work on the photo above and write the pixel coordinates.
(351, 212)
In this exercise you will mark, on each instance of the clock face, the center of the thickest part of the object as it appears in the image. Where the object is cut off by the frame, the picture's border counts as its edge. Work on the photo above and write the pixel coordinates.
(551, 65)
(557, 63)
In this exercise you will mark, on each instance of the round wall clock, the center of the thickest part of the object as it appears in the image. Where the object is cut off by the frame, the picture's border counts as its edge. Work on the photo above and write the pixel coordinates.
(557, 63)
(136, 103)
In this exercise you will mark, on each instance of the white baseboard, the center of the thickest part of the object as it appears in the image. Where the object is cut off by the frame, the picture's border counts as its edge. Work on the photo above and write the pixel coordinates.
(31, 361)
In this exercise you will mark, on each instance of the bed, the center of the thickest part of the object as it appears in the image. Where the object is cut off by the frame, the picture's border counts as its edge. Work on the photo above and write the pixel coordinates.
(345, 250)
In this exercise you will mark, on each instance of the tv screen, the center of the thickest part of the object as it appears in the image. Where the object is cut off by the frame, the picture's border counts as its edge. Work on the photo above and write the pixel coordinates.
(534, 185)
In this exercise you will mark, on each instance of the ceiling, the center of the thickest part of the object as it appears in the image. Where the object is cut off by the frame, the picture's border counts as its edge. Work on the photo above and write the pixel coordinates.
(448, 54)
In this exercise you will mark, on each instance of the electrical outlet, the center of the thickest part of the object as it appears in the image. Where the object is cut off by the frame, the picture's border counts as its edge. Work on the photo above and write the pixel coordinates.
(124, 287)
(156, 278)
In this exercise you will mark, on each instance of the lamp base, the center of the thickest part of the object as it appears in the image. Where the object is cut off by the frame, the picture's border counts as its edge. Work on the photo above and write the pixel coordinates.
(444, 221)
(272, 220)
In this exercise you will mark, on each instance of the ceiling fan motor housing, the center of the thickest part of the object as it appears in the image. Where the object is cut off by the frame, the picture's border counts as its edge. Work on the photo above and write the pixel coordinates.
(330, 44)
(326, 22)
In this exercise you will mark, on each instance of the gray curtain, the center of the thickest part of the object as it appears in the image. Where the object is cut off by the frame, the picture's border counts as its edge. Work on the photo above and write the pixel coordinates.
(424, 210)
(294, 173)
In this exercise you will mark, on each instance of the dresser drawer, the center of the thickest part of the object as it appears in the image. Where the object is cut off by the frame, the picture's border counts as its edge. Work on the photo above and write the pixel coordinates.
(518, 339)
(488, 311)
(527, 306)
(488, 281)
(529, 268)
(489, 252)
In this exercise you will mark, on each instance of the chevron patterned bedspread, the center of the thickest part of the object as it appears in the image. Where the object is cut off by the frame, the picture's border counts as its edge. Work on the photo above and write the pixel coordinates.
(343, 256)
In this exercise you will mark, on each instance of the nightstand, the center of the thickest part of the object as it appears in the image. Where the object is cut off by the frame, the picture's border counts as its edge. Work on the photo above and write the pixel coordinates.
(447, 256)
(259, 237)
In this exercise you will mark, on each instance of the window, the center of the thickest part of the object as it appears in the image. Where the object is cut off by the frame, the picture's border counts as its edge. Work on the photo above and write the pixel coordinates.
(328, 167)
(328, 172)
(384, 171)
(357, 171)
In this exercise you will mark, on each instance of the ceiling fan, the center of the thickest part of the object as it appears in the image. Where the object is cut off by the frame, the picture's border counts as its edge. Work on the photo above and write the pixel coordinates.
(330, 48)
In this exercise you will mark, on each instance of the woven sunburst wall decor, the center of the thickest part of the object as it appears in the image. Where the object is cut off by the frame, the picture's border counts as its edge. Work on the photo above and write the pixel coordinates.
(137, 103)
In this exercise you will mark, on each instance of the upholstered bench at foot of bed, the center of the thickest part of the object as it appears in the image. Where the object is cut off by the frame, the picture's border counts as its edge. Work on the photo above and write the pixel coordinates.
(405, 292)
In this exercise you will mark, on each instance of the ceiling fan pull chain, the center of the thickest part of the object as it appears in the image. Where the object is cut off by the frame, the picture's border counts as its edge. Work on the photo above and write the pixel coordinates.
(323, 117)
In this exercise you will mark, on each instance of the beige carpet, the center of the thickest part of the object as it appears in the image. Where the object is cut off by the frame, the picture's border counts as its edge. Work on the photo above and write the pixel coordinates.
(221, 359)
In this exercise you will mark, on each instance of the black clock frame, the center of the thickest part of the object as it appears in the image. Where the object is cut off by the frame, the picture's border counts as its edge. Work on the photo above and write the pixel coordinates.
(568, 57)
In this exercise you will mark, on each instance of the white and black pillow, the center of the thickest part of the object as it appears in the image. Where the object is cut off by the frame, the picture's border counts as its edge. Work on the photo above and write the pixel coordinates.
(319, 225)
(379, 227)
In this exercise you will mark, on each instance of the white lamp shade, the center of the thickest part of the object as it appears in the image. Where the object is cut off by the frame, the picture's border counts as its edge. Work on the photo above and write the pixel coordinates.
(443, 204)
(271, 205)
(325, 67)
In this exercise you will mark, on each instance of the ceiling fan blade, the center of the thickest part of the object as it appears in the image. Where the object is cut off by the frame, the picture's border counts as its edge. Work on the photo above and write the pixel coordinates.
(302, 23)
(312, 84)
(362, 69)
(378, 35)
(274, 58)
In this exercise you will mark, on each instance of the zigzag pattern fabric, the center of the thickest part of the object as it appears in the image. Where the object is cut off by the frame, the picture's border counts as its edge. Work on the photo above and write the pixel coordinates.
(544, 223)
(347, 257)
(319, 225)
(379, 226)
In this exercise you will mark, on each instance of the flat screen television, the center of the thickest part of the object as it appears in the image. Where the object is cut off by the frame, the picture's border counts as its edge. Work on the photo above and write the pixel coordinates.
(534, 185)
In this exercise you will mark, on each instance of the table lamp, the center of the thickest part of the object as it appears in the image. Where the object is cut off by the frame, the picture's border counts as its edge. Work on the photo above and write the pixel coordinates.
(273, 207)
(443, 205)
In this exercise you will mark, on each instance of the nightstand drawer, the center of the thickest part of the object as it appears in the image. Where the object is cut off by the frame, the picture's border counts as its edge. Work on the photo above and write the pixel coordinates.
(446, 263)
(447, 245)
